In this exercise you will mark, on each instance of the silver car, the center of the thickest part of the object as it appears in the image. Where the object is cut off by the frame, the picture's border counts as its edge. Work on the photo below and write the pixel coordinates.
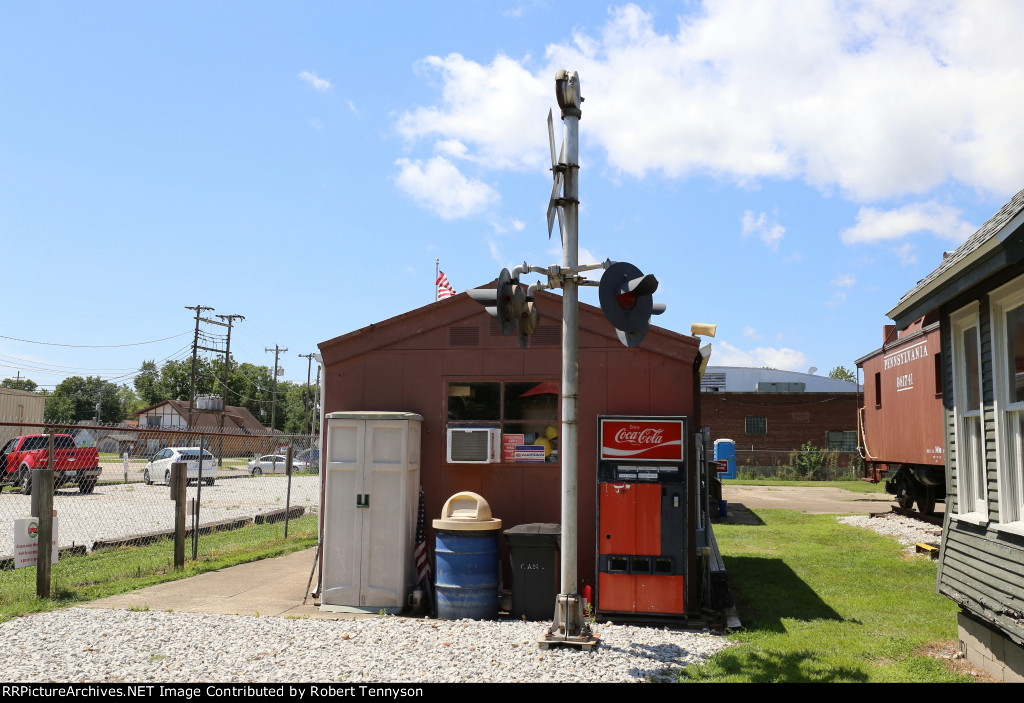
(159, 465)
(273, 464)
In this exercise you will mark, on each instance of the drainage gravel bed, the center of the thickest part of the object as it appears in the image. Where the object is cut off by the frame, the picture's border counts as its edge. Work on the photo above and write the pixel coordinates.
(87, 645)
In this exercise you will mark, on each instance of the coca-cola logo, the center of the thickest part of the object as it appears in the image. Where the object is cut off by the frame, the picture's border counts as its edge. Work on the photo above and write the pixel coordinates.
(649, 440)
(639, 436)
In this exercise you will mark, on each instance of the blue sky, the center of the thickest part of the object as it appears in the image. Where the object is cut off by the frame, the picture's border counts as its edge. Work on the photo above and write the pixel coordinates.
(786, 169)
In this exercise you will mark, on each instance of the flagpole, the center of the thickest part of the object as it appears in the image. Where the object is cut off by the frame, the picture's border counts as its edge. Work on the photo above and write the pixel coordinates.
(437, 269)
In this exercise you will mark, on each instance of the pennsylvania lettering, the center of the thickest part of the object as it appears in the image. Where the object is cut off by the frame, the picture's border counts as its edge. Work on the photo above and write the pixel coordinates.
(916, 352)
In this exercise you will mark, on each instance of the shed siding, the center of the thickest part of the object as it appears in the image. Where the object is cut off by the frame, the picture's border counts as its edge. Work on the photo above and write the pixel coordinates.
(407, 363)
(980, 567)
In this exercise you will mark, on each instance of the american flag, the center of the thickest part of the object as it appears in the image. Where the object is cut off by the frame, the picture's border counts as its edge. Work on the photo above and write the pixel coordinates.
(420, 553)
(444, 288)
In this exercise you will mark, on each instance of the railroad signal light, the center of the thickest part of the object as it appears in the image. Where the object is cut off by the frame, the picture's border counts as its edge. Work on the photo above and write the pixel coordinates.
(507, 302)
(528, 321)
(626, 296)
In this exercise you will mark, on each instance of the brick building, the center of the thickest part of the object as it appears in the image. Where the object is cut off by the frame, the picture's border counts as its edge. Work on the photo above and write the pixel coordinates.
(770, 413)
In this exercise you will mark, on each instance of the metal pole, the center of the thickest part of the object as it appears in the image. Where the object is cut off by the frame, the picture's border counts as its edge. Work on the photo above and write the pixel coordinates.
(568, 622)
(288, 494)
(178, 472)
(42, 484)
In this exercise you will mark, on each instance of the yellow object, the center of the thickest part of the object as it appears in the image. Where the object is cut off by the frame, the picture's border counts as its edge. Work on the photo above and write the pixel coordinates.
(542, 442)
(550, 431)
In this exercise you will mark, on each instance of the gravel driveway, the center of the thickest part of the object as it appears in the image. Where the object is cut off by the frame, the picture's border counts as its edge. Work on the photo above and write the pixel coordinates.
(122, 510)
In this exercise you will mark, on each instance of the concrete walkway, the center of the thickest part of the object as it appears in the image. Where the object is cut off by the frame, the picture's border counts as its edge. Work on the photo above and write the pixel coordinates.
(266, 587)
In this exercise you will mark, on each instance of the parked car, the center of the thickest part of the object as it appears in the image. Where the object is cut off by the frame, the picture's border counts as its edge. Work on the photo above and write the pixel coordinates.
(273, 464)
(311, 458)
(159, 465)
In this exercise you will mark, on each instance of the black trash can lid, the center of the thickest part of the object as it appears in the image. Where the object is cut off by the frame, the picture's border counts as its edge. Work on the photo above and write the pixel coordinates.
(535, 528)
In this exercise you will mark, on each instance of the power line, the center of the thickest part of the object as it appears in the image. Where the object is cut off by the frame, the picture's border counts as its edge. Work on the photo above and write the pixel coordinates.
(94, 346)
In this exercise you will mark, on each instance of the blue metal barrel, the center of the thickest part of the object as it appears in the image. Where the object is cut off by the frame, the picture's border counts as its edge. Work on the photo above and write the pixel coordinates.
(467, 574)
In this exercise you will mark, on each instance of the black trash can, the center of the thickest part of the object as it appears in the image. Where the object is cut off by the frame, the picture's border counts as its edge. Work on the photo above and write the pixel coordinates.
(533, 551)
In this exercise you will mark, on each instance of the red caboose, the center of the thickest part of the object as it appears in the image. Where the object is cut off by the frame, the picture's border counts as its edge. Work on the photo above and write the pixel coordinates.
(900, 433)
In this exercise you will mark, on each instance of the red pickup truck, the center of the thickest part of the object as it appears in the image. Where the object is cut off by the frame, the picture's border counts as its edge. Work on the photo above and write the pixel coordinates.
(22, 455)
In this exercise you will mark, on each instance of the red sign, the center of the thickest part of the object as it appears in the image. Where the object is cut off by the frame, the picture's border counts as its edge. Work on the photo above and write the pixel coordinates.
(642, 439)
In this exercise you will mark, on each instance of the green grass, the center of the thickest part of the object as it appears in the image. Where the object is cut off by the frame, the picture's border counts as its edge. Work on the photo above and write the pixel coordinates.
(825, 602)
(854, 486)
(105, 573)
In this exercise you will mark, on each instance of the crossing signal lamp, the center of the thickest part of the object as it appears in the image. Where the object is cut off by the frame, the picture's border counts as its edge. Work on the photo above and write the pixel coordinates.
(508, 303)
(626, 296)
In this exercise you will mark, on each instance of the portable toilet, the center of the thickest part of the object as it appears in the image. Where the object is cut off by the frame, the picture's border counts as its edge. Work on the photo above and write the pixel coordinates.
(725, 450)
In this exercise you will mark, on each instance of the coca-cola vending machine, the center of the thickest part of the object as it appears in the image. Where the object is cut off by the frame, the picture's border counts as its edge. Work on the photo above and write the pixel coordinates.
(641, 516)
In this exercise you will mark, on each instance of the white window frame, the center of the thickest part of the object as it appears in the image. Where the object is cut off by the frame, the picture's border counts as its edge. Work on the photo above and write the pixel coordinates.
(969, 432)
(1008, 414)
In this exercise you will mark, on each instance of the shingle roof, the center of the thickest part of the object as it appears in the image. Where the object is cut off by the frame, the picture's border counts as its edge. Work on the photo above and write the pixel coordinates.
(988, 230)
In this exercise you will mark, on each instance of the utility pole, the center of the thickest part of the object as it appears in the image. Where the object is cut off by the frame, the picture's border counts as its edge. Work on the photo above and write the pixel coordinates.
(195, 352)
(273, 396)
(307, 393)
(227, 367)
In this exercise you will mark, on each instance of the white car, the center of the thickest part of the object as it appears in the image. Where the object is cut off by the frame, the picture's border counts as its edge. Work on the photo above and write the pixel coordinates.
(273, 464)
(159, 465)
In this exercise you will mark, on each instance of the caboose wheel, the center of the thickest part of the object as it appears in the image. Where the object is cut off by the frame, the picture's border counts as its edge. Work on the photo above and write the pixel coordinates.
(905, 497)
(926, 500)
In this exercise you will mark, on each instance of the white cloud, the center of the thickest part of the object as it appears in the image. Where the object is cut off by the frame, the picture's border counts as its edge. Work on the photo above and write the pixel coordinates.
(785, 359)
(319, 84)
(496, 109)
(876, 225)
(845, 280)
(875, 98)
(770, 233)
(906, 255)
(439, 186)
(751, 333)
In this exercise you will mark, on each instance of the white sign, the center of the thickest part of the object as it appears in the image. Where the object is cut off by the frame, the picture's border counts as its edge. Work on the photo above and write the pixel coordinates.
(26, 542)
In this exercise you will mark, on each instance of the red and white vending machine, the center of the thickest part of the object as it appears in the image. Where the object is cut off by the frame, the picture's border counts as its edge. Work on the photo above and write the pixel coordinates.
(641, 517)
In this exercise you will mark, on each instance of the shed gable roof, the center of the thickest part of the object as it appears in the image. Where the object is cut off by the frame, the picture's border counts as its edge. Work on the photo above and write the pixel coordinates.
(451, 311)
(952, 275)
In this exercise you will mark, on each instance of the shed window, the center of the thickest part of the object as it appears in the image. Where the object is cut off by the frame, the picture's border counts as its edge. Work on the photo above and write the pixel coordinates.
(527, 408)
(971, 485)
(756, 424)
(1007, 309)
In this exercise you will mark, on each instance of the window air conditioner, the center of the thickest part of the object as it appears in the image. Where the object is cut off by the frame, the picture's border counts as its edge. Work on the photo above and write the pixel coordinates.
(474, 445)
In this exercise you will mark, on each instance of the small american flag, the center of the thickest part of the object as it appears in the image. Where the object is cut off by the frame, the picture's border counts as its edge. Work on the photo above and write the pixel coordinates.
(420, 553)
(444, 288)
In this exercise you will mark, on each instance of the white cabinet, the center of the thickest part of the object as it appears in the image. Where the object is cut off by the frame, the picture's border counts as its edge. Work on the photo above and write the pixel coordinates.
(371, 494)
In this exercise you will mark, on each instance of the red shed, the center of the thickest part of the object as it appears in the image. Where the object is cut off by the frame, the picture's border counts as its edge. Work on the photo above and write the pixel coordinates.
(448, 362)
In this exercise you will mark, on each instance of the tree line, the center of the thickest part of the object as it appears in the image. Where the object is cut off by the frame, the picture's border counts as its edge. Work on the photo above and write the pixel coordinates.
(248, 385)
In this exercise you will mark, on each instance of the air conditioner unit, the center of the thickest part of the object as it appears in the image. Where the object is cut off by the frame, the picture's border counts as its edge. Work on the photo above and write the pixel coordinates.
(474, 445)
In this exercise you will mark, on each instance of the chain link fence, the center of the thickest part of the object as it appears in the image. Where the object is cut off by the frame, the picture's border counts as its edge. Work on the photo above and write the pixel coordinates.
(126, 518)
(808, 463)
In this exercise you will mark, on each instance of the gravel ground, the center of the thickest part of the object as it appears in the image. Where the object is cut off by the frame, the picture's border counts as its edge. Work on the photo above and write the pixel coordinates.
(906, 530)
(128, 509)
(126, 646)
